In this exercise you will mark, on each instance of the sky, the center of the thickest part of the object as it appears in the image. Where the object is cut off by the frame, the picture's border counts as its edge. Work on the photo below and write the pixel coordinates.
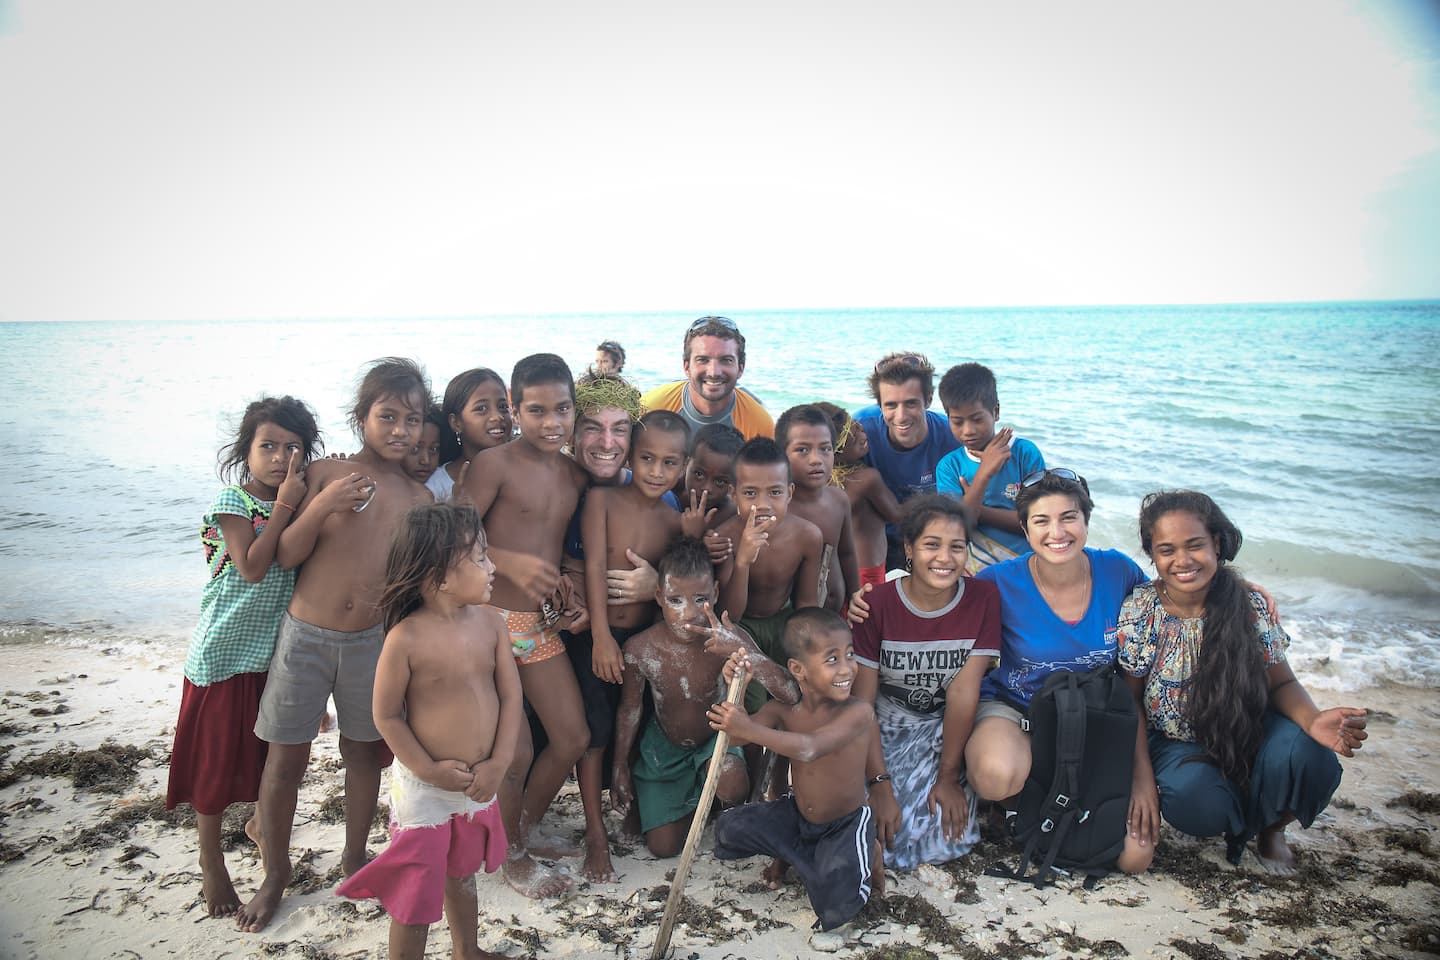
(202, 161)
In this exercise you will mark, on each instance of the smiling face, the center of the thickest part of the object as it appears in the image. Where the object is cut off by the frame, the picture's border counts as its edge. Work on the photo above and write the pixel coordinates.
(972, 425)
(546, 414)
(709, 471)
(1056, 528)
(827, 669)
(484, 421)
(713, 368)
(602, 442)
(682, 603)
(811, 453)
(1185, 554)
(657, 458)
(424, 457)
(392, 426)
(269, 457)
(938, 555)
(765, 487)
(903, 407)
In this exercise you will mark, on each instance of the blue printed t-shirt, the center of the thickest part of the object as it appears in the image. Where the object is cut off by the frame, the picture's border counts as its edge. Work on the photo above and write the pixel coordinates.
(1025, 459)
(906, 472)
(1034, 642)
(239, 620)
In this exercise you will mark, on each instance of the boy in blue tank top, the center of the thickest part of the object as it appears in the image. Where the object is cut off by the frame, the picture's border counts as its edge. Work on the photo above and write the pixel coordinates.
(987, 469)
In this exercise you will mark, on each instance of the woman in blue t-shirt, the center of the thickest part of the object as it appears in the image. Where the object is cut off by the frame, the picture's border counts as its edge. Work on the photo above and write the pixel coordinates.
(1058, 610)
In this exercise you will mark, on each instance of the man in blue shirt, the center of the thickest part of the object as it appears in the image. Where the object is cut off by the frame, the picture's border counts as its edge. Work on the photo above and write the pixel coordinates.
(907, 440)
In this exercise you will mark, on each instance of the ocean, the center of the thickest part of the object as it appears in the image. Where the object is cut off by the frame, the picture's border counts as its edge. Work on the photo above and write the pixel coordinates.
(1315, 426)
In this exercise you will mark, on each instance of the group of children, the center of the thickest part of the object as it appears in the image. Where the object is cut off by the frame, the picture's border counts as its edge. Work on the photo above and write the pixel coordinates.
(469, 635)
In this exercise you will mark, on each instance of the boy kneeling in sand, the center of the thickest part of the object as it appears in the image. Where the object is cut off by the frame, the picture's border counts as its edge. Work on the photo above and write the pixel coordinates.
(447, 700)
(824, 828)
(680, 660)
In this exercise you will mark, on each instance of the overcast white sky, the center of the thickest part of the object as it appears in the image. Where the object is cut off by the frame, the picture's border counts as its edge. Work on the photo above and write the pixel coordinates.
(171, 160)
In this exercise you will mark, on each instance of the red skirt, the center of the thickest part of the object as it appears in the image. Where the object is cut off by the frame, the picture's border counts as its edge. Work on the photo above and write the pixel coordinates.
(217, 758)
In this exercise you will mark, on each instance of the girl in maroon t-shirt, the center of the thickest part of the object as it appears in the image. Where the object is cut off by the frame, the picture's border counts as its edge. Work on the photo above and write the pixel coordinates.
(927, 641)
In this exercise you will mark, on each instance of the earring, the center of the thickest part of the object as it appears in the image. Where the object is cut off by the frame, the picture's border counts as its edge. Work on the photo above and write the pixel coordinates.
(909, 564)
(459, 441)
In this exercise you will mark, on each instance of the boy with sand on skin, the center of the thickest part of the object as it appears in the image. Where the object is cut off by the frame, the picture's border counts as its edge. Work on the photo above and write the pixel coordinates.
(807, 436)
(679, 660)
(776, 563)
(330, 636)
(824, 829)
(526, 492)
(618, 523)
(447, 698)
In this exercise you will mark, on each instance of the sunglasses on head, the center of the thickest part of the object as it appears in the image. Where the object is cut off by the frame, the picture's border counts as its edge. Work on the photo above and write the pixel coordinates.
(1064, 473)
(704, 322)
(609, 346)
(909, 360)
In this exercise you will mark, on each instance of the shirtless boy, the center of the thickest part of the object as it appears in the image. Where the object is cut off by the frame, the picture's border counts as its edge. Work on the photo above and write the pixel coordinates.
(617, 523)
(447, 698)
(680, 660)
(872, 505)
(526, 492)
(776, 564)
(331, 635)
(807, 436)
(824, 829)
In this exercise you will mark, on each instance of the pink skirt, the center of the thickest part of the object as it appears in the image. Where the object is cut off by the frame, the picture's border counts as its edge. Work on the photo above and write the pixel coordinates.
(217, 759)
(408, 877)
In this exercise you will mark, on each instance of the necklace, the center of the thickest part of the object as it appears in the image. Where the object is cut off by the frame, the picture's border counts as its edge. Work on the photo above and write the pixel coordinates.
(1178, 609)
(1046, 595)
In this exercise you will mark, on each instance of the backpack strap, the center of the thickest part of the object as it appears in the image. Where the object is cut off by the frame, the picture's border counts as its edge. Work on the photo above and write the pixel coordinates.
(1060, 809)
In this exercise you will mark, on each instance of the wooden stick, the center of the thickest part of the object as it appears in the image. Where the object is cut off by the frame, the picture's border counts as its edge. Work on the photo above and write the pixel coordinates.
(697, 825)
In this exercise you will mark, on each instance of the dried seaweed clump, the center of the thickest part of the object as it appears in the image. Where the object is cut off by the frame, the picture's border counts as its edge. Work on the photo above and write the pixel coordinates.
(110, 768)
(1421, 801)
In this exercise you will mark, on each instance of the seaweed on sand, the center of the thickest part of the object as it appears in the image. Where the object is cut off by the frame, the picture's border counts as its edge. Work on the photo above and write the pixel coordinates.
(1302, 909)
(122, 820)
(1072, 941)
(902, 951)
(1421, 801)
(1401, 872)
(109, 768)
(1422, 938)
(1198, 950)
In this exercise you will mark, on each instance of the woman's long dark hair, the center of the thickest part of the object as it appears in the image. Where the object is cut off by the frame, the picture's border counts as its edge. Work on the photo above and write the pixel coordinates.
(1229, 690)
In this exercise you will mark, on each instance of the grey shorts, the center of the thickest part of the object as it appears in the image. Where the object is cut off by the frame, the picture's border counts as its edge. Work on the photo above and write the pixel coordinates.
(310, 664)
(988, 708)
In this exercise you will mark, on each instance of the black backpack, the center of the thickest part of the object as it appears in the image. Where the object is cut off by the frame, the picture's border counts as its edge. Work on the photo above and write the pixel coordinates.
(1074, 805)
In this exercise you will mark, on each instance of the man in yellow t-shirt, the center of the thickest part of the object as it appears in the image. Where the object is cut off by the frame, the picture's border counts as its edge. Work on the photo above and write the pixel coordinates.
(714, 361)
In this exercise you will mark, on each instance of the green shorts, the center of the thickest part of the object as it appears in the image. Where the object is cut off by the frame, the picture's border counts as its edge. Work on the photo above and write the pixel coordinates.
(769, 634)
(668, 777)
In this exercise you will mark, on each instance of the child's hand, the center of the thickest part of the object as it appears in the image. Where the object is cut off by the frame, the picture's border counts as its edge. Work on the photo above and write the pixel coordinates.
(535, 575)
(736, 665)
(949, 805)
(348, 493)
(1341, 729)
(997, 452)
(486, 775)
(859, 610)
(731, 719)
(606, 659)
(622, 789)
(458, 493)
(292, 488)
(695, 518)
(452, 775)
(756, 536)
(721, 637)
(718, 547)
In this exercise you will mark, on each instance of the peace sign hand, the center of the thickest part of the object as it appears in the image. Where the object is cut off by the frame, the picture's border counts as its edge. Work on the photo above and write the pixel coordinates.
(721, 637)
(756, 536)
(695, 519)
(292, 488)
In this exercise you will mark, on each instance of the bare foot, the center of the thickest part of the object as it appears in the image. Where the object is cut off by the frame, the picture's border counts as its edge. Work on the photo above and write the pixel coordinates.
(534, 880)
(551, 848)
(256, 914)
(350, 863)
(774, 875)
(252, 830)
(220, 897)
(1276, 856)
(597, 867)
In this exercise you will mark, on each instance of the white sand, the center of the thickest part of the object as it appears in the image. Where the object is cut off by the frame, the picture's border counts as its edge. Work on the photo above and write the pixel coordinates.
(139, 896)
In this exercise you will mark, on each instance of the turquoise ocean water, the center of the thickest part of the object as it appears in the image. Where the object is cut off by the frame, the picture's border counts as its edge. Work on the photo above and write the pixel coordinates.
(1316, 426)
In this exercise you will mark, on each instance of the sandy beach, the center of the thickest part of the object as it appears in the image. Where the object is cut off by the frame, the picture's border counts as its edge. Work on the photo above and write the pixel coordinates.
(91, 864)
